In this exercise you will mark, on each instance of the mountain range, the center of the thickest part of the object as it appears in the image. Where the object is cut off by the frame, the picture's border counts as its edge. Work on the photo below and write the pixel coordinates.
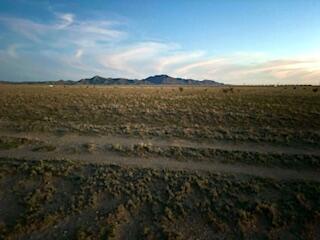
(152, 80)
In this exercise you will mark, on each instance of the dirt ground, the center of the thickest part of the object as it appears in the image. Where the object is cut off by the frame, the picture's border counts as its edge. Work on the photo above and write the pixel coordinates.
(159, 162)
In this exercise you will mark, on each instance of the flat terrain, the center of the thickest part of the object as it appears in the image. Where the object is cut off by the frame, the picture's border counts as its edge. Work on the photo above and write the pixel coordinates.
(85, 162)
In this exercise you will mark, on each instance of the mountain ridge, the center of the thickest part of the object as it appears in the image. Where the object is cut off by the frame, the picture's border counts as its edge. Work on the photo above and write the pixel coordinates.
(161, 79)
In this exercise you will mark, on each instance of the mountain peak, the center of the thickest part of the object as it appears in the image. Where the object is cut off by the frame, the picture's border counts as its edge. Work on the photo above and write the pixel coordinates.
(162, 76)
(96, 77)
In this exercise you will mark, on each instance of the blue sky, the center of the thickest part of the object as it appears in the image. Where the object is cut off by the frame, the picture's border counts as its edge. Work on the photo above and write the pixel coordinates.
(232, 41)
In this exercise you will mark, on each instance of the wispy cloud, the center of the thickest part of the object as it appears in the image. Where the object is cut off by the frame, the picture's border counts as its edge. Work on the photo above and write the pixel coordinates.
(66, 20)
(24, 27)
(231, 70)
(12, 50)
(76, 48)
(167, 63)
(60, 42)
(78, 54)
(145, 58)
(65, 27)
(134, 60)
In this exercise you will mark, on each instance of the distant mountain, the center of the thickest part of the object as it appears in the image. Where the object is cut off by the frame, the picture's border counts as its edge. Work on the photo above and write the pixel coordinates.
(153, 80)
(97, 80)
(165, 79)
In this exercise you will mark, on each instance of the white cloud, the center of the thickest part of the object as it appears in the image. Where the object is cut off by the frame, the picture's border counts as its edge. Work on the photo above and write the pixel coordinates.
(229, 69)
(78, 54)
(12, 50)
(24, 27)
(166, 63)
(66, 20)
(134, 60)
(204, 66)
(66, 29)
(146, 58)
(103, 28)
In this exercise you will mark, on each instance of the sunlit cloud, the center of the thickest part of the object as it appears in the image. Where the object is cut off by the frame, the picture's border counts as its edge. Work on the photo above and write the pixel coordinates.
(204, 66)
(147, 58)
(273, 71)
(135, 60)
(167, 63)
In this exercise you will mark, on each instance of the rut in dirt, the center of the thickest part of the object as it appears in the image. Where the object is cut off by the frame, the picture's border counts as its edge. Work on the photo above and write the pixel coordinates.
(74, 139)
(164, 163)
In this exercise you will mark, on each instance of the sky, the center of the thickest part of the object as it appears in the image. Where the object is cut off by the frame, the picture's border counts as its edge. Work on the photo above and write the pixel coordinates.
(230, 41)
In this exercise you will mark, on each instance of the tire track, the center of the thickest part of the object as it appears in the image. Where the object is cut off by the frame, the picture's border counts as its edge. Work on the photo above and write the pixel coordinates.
(73, 139)
(163, 163)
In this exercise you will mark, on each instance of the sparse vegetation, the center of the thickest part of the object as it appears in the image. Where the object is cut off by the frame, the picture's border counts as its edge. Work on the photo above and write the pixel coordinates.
(88, 198)
(59, 199)
(258, 114)
(14, 142)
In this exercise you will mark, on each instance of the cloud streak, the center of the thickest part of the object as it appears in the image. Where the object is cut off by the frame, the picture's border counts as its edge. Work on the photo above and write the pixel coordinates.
(269, 71)
(65, 27)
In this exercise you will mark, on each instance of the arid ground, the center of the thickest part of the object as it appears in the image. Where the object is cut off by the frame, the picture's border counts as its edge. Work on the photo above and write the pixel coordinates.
(89, 162)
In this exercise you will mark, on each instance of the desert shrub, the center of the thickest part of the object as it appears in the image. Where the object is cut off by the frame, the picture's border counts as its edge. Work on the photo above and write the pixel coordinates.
(90, 147)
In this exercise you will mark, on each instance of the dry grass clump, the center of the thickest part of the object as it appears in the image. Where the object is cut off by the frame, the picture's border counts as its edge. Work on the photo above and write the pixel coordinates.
(227, 90)
(90, 147)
